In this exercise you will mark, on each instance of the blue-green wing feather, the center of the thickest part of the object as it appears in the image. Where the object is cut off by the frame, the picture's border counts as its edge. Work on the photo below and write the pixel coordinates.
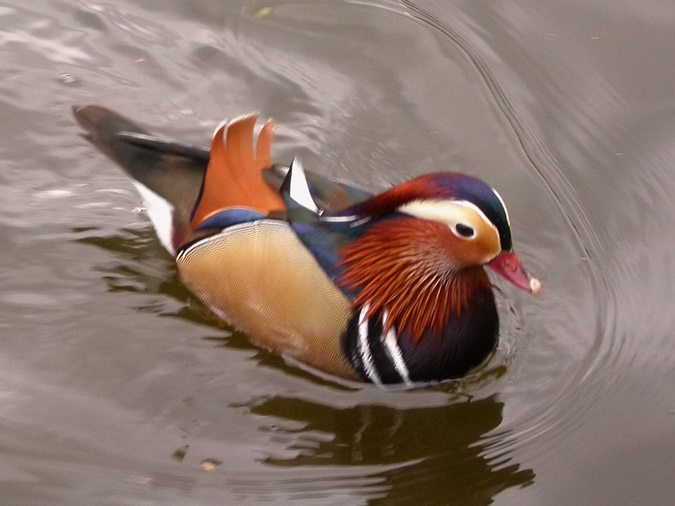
(322, 236)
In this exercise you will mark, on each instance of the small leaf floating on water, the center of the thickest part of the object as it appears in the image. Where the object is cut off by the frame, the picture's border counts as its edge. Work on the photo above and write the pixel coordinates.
(180, 453)
(209, 465)
(264, 12)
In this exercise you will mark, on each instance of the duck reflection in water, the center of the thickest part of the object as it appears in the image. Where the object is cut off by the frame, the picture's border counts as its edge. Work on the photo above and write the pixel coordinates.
(431, 454)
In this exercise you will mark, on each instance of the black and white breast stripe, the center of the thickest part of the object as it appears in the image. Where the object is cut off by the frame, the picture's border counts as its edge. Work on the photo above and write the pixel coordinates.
(376, 356)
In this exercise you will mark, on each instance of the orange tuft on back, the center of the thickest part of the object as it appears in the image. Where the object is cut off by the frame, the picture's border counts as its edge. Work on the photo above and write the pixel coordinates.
(233, 177)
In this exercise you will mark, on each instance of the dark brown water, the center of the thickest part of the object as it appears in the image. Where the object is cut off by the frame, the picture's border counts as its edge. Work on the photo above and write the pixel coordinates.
(116, 387)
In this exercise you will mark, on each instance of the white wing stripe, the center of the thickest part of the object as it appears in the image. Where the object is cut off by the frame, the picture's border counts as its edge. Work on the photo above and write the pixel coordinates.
(394, 351)
(364, 349)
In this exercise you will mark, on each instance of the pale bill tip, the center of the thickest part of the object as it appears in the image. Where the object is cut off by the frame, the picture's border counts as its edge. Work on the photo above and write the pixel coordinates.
(535, 285)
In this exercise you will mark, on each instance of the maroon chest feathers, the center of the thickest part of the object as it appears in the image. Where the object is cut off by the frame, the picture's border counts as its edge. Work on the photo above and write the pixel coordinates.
(419, 314)
(413, 268)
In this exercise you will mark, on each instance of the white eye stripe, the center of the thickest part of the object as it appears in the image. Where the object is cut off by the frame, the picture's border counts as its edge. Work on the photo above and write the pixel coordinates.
(442, 211)
(451, 213)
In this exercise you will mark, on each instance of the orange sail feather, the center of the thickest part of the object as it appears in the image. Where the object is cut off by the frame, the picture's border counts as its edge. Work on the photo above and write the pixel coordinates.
(233, 178)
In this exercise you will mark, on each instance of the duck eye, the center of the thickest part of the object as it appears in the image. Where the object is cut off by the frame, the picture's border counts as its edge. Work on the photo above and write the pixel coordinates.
(464, 230)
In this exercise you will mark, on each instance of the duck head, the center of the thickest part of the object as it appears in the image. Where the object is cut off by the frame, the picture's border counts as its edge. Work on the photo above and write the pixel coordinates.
(475, 226)
(416, 251)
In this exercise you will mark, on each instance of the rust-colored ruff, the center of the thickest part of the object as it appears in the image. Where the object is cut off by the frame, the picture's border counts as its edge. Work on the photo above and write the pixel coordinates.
(409, 267)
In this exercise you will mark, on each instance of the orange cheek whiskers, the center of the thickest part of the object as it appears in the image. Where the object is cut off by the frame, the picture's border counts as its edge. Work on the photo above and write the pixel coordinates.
(395, 266)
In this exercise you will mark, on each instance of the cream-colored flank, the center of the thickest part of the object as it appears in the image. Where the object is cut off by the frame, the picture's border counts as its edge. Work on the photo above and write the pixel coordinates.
(259, 277)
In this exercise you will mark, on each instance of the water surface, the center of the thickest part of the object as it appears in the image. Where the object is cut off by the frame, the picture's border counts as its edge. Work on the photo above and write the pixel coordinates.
(119, 388)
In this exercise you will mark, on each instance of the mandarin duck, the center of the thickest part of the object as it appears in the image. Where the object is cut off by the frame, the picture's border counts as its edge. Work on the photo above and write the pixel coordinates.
(387, 288)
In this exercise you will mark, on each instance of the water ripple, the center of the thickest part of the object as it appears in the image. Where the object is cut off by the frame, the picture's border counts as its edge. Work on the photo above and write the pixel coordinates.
(111, 371)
